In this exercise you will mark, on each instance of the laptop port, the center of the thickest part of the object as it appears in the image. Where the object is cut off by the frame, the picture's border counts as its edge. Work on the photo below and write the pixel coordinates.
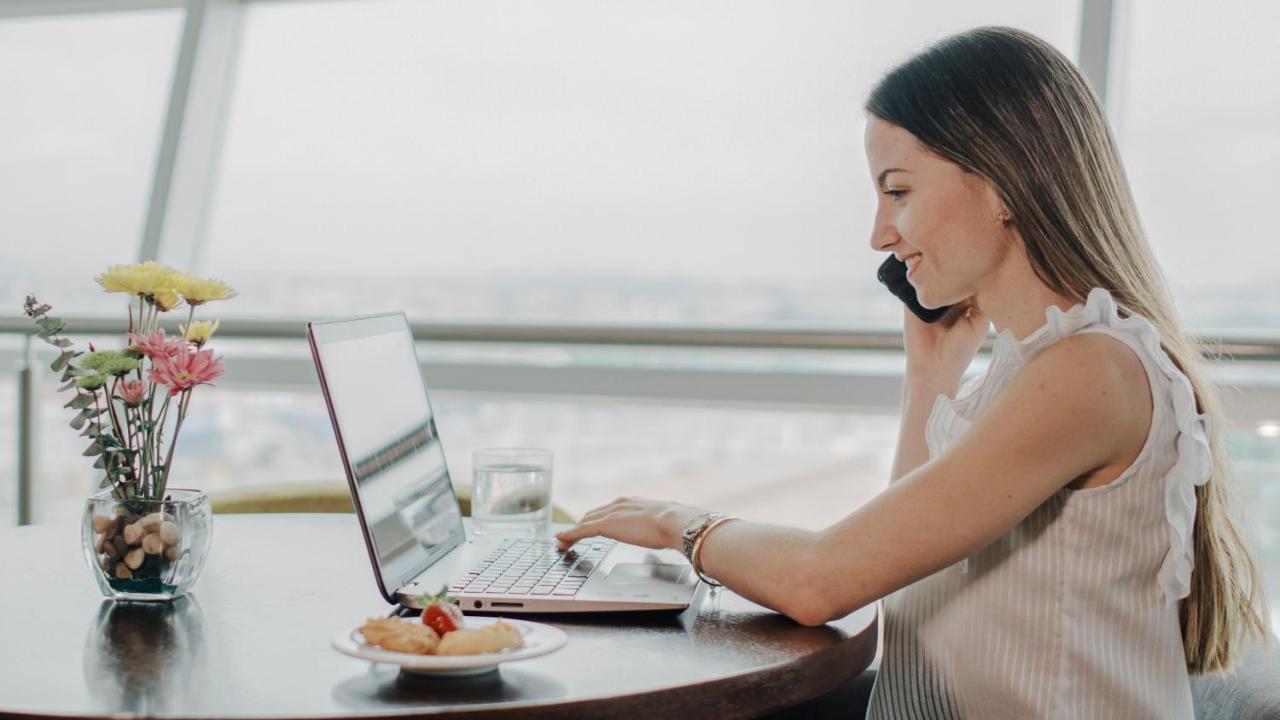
(506, 604)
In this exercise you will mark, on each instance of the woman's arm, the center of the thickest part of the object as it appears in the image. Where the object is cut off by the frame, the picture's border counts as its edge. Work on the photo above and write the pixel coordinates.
(1067, 413)
(937, 356)
(918, 398)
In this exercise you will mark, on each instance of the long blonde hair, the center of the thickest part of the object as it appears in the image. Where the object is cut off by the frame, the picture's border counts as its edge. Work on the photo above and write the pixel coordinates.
(1006, 105)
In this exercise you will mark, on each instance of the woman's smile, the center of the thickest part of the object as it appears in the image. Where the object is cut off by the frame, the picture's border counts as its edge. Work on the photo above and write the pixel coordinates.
(912, 262)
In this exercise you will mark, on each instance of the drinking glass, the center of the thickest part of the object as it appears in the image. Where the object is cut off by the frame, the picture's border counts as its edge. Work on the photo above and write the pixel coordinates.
(511, 494)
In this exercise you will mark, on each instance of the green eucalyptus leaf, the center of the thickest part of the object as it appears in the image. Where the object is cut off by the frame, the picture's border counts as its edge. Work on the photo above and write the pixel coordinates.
(77, 422)
(100, 463)
(80, 401)
(60, 362)
(106, 479)
(71, 372)
(93, 449)
(61, 342)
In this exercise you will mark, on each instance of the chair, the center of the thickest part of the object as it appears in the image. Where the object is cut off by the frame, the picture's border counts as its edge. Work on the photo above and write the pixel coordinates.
(1252, 692)
(322, 497)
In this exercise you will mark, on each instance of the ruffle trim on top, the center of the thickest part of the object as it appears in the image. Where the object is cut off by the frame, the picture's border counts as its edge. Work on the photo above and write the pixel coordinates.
(1194, 463)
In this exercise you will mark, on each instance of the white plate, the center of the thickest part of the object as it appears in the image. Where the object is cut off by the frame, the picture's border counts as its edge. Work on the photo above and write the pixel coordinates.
(539, 640)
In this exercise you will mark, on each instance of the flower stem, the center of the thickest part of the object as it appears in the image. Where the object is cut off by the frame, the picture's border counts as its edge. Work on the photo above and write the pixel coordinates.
(173, 442)
(149, 434)
(98, 419)
(111, 408)
(157, 439)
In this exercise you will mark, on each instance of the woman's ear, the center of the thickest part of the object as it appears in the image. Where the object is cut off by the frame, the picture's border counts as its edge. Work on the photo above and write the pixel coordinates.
(996, 209)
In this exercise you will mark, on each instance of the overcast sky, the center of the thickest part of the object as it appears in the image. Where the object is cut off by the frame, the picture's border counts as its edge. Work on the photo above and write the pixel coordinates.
(700, 139)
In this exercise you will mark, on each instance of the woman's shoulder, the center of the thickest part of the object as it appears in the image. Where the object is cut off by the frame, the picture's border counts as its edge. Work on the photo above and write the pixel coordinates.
(1105, 368)
(1110, 371)
(1096, 349)
(1096, 357)
(1098, 336)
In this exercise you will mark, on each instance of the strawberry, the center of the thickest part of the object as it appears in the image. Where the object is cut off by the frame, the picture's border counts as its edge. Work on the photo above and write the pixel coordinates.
(441, 613)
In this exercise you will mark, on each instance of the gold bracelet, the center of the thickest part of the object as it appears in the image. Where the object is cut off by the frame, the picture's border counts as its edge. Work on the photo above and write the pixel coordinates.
(696, 555)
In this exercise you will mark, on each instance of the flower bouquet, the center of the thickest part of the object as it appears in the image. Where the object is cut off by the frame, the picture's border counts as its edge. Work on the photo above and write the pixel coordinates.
(143, 539)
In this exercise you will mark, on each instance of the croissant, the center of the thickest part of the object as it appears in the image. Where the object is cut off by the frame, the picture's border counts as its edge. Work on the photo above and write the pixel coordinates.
(399, 635)
(474, 641)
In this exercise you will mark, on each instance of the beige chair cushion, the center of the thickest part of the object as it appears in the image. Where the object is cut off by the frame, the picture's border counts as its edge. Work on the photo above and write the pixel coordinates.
(322, 497)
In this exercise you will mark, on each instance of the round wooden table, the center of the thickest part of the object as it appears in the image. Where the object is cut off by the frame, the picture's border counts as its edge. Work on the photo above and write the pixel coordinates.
(252, 641)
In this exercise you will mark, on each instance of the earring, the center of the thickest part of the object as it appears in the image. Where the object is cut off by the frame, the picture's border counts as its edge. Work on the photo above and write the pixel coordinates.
(1003, 217)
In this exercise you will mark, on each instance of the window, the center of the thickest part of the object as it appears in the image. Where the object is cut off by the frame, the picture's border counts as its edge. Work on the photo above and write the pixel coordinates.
(648, 162)
(1196, 119)
(1255, 456)
(84, 100)
(804, 468)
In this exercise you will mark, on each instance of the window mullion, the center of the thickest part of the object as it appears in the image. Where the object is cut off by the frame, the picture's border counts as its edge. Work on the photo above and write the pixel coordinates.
(192, 136)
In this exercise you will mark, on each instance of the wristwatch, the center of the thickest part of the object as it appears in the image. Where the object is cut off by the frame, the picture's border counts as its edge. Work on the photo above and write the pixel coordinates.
(696, 526)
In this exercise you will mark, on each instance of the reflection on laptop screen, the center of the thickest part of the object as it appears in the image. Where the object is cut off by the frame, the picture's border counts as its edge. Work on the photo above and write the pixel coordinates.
(384, 417)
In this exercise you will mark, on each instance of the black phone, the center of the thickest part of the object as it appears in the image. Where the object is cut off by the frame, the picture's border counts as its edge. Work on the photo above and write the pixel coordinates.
(893, 274)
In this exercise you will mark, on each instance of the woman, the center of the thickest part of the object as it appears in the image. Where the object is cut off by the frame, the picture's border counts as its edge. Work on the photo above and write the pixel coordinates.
(1055, 539)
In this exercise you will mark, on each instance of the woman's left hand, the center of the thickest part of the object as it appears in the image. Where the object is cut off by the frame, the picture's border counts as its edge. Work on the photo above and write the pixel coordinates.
(634, 520)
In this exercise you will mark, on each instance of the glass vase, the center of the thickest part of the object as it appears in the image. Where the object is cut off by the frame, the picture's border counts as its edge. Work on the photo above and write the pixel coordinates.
(151, 550)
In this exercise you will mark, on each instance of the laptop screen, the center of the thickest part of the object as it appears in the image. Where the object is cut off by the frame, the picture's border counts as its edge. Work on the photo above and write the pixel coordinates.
(382, 416)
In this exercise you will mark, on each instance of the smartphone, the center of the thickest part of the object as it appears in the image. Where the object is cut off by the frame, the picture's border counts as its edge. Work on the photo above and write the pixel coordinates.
(893, 273)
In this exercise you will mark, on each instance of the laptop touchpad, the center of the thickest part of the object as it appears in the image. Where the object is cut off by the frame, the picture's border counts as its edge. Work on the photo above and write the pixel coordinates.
(645, 573)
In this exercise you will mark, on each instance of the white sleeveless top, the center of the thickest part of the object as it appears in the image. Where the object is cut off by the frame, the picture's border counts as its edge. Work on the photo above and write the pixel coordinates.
(1073, 613)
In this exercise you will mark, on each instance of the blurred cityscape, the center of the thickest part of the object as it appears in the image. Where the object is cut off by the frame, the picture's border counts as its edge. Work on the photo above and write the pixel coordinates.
(803, 468)
(849, 299)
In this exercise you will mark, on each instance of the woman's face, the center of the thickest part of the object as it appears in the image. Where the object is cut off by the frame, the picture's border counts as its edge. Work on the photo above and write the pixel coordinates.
(934, 216)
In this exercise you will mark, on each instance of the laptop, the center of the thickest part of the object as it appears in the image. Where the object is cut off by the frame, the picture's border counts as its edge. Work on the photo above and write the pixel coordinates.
(417, 538)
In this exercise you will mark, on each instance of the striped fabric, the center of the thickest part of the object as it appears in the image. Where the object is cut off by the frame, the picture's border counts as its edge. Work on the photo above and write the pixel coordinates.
(1071, 614)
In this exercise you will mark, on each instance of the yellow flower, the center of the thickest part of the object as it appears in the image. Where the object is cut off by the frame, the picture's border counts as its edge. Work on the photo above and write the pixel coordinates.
(199, 331)
(198, 290)
(166, 299)
(161, 276)
(137, 279)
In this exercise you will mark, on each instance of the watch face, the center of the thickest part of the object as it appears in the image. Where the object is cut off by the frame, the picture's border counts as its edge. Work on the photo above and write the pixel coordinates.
(694, 524)
(694, 527)
(699, 522)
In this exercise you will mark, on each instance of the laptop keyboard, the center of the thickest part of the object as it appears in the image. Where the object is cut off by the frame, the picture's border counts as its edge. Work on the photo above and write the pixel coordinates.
(525, 566)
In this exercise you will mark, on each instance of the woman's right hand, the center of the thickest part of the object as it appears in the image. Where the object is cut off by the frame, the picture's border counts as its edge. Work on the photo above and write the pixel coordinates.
(938, 353)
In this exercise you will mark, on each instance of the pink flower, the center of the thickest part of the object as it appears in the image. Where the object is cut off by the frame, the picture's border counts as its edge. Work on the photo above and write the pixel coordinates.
(185, 369)
(131, 392)
(155, 345)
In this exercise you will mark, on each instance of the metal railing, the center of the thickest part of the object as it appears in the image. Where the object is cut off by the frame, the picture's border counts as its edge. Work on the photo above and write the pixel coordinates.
(1240, 348)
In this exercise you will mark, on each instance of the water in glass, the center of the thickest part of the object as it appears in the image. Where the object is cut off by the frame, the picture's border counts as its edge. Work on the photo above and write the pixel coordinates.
(512, 494)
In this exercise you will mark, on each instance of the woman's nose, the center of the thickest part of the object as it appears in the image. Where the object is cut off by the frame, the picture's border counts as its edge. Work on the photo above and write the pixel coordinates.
(883, 237)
